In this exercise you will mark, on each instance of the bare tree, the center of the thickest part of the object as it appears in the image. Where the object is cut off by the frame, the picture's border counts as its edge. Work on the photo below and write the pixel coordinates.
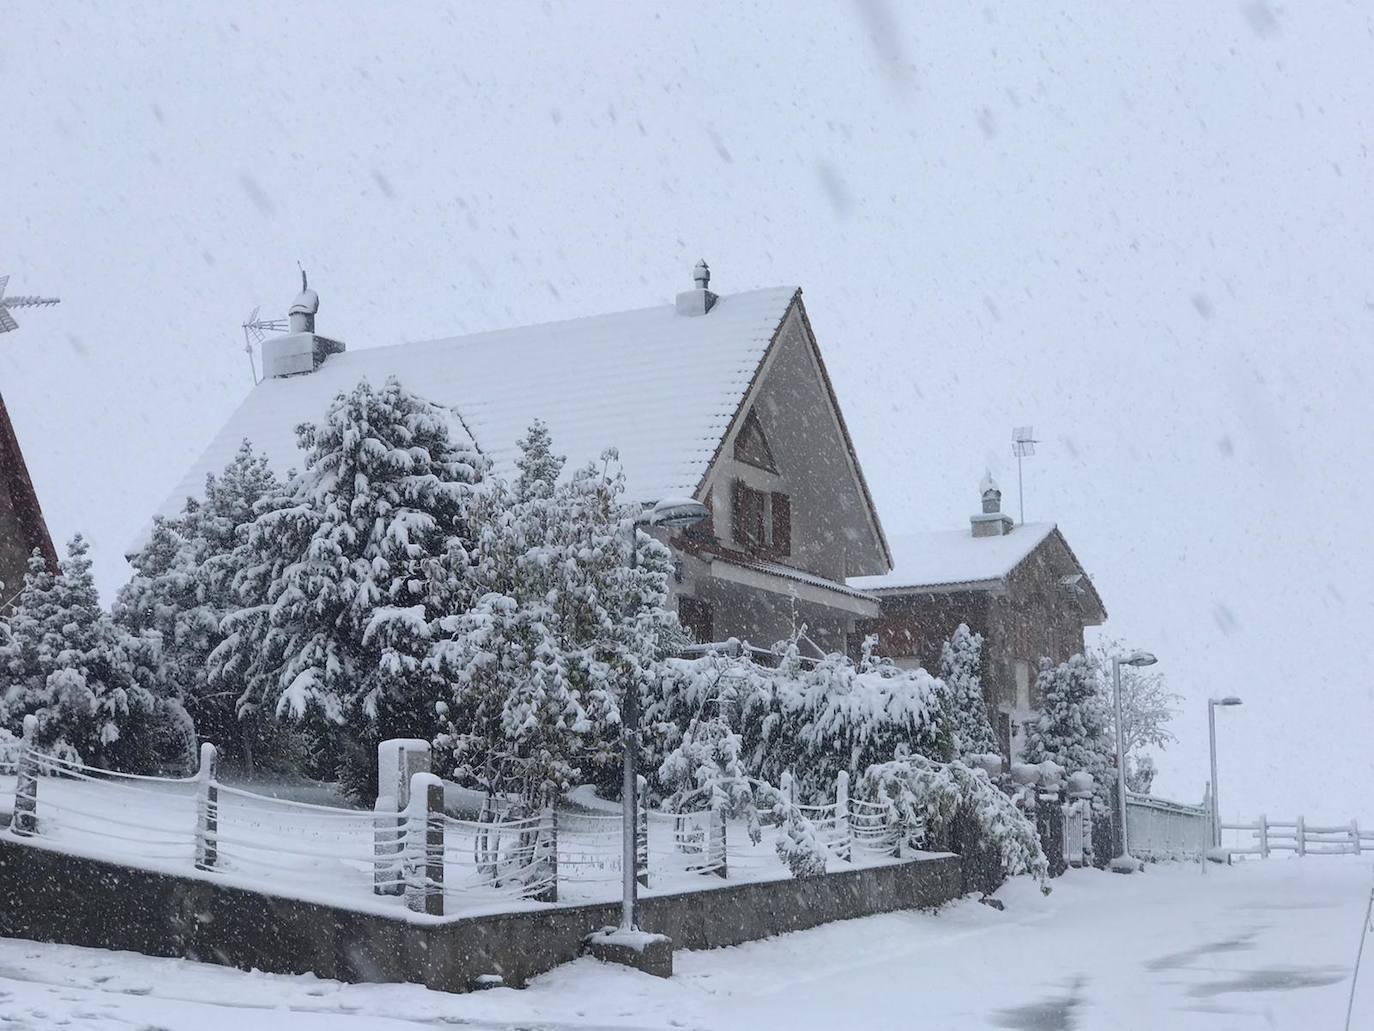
(1147, 706)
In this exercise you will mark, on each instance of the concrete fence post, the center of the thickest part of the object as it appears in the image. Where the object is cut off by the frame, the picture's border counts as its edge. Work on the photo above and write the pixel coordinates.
(548, 854)
(25, 819)
(398, 759)
(843, 839)
(207, 808)
(424, 853)
(715, 840)
(1301, 835)
(1264, 836)
(642, 831)
(1355, 836)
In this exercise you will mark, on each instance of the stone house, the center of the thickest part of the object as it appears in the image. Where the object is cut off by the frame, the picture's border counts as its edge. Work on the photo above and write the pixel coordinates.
(722, 398)
(1021, 587)
(22, 527)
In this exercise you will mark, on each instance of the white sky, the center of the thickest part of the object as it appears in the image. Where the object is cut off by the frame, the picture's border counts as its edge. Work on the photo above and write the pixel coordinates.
(1142, 228)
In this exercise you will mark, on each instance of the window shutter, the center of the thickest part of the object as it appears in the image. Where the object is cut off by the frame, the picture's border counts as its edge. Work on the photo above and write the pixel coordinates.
(782, 524)
(737, 528)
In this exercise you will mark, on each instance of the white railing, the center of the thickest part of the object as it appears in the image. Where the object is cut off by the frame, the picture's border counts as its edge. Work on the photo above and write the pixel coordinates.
(1159, 829)
(1304, 839)
(435, 862)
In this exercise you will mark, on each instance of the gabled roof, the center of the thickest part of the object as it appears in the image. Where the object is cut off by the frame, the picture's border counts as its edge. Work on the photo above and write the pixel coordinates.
(659, 386)
(948, 558)
(23, 502)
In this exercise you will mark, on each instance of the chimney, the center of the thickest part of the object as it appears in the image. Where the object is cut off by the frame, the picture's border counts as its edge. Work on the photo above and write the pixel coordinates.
(992, 521)
(700, 300)
(301, 350)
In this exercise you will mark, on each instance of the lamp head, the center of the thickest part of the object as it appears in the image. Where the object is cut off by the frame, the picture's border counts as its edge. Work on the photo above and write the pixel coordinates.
(1139, 659)
(1230, 699)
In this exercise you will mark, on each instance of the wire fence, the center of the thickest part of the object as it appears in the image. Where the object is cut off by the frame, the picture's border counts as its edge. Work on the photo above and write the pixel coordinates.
(416, 855)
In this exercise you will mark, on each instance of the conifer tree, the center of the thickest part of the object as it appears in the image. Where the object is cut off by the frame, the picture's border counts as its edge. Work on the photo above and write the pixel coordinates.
(91, 684)
(343, 577)
(562, 627)
(182, 588)
(1072, 729)
(961, 661)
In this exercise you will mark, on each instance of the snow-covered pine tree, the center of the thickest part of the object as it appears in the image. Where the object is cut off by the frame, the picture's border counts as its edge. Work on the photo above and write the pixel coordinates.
(182, 588)
(343, 578)
(90, 683)
(961, 661)
(537, 668)
(1072, 729)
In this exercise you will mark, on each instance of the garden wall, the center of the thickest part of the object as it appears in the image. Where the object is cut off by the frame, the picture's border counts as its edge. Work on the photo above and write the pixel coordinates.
(56, 897)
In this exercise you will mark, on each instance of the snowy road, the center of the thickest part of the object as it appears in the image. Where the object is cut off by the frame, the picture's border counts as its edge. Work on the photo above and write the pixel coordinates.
(1261, 945)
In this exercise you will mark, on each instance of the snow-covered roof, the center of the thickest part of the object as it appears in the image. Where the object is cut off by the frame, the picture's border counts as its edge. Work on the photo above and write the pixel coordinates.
(659, 386)
(944, 558)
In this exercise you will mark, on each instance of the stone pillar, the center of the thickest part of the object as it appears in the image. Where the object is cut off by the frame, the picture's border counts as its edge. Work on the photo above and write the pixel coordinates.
(398, 760)
(207, 809)
(424, 853)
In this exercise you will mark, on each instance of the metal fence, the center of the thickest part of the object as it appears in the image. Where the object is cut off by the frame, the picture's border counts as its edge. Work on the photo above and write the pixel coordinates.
(1160, 829)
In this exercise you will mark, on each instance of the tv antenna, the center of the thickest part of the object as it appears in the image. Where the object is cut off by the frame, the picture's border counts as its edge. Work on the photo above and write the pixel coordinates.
(1022, 446)
(7, 322)
(255, 331)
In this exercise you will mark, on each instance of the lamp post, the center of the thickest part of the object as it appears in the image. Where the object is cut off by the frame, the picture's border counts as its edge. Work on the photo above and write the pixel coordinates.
(672, 514)
(1124, 863)
(1212, 704)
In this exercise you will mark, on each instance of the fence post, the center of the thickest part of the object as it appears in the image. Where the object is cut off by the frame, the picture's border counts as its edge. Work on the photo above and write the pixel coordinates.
(546, 854)
(715, 839)
(1355, 836)
(1301, 835)
(642, 832)
(425, 845)
(844, 843)
(388, 842)
(25, 819)
(207, 809)
(1264, 836)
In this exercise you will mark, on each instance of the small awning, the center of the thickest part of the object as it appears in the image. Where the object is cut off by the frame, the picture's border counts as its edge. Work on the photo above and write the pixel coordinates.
(795, 583)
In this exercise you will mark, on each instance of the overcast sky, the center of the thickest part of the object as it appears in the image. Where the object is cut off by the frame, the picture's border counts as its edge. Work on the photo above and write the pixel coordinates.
(1144, 229)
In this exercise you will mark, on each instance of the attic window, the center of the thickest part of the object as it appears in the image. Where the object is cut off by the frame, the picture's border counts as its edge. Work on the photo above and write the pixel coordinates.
(762, 520)
(751, 446)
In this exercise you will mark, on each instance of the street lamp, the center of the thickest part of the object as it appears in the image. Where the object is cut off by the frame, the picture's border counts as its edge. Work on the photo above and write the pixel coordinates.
(671, 514)
(1212, 704)
(1124, 863)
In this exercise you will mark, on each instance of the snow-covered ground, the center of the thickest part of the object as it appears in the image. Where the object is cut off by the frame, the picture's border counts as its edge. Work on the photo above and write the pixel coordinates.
(1261, 945)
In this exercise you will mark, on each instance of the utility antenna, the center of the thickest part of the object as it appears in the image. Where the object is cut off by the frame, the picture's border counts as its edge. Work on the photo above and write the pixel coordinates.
(7, 322)
(1022, 446)
(255, 331)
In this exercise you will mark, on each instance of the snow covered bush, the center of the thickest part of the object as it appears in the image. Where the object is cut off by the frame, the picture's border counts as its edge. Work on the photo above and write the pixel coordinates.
(562, 626)
(343, 577)
(182, 589)
(812, 720)
(1073, 727)
(91, 684)
(960, 808)
(797, 845)
(961, 660)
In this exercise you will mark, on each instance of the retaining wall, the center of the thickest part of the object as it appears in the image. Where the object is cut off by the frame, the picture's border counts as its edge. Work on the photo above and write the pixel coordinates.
(52, 896)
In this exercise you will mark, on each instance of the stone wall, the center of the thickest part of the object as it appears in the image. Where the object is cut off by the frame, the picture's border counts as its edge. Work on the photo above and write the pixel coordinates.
(52, 896)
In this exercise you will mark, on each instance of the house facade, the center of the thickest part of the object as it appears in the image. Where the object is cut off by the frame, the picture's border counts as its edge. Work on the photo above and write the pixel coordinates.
(1020, 586)
(22, 527)
(722, 398)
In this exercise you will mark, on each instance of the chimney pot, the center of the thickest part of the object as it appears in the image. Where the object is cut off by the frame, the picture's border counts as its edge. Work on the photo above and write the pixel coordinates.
(300, 350)
(992, 521)
(700, 300)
